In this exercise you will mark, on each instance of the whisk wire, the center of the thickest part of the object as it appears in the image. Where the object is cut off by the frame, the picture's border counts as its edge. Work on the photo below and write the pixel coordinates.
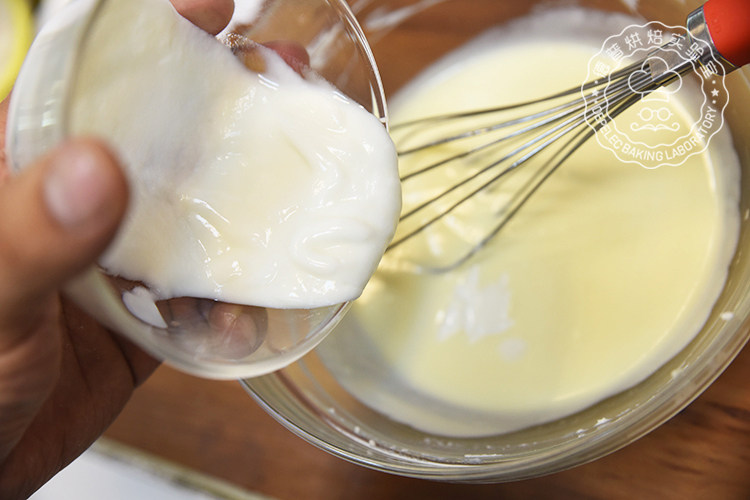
(481, 147)
(559, 130)
(617, 75)
(598, 103)
(522, 196)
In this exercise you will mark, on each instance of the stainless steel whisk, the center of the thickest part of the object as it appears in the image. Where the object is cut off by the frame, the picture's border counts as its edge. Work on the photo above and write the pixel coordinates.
(717, 41)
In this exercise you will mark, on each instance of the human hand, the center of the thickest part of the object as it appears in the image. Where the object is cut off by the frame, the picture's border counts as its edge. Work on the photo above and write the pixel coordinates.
(63, 377)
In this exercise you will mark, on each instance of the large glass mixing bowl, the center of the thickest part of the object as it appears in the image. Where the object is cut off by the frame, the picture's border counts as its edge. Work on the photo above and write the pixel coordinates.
(407, 36)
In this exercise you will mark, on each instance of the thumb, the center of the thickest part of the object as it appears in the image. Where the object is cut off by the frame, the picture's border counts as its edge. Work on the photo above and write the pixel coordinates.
(55, 219)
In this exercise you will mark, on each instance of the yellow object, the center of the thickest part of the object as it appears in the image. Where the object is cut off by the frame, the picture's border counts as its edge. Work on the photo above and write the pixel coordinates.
(16, 31)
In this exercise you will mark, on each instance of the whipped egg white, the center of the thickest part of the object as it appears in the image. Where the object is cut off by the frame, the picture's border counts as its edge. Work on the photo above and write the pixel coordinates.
(260, 188)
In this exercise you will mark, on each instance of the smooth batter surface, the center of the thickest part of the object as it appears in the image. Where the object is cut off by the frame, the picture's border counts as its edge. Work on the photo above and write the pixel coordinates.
(605, 275)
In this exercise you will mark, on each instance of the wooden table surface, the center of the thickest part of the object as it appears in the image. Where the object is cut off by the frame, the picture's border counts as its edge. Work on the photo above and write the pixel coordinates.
(215, 428)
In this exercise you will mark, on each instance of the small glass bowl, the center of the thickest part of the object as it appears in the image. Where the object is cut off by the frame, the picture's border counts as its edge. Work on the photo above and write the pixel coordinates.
(309, 400)
(203, 337)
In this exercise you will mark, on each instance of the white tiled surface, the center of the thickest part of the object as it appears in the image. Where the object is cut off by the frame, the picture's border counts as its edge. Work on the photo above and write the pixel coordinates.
(113, 472)
(94, 476)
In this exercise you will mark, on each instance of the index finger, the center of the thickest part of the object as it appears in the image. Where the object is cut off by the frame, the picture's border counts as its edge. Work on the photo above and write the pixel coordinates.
(209, 15)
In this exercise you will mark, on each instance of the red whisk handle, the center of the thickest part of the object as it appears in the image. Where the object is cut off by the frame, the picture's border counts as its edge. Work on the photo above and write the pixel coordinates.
(728, 23)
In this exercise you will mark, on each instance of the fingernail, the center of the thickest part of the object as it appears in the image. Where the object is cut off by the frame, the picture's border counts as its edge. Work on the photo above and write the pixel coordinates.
(76, 185)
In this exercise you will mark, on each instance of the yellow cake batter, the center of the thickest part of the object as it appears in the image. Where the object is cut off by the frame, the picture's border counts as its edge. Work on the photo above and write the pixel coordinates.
(607, 273)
